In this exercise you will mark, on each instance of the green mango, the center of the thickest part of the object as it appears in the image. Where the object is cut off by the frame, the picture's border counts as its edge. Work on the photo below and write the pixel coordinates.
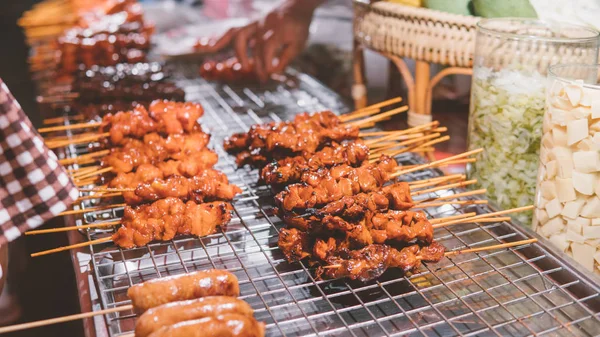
(504, 8)
(449, 6)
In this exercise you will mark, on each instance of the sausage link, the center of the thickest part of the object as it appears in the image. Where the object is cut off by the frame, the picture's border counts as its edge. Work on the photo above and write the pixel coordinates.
(231, 325)
(171, 313)
(183, 287)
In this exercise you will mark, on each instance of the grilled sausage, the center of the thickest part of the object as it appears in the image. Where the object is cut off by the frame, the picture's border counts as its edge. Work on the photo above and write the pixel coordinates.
(171, 313)
(231, 325)
(183, 287)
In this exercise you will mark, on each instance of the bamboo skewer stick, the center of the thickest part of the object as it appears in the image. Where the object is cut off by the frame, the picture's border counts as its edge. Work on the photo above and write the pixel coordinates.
(496, 219)
(65, 138)
(91, 209)
(377, 105)
(417, 147)
(377, 118)
(470, 250)
(436, 163)
(487, 215)
(75, 173)
(376, 152)
(74, 228)
(79, 140)
(408, 131)
(90, 181)
(456, 202)
(353, 116)
(436, 179)
(395, 138)
(57, 120)
(445, 187)
(77, 245)
(70, 127)
(30, 325)
(98, 196)
(78, 159)
(500, 246)
(95, 173)
(453, 196)
(453, 162)
(452, 217)
(106, 189)
(451, 178)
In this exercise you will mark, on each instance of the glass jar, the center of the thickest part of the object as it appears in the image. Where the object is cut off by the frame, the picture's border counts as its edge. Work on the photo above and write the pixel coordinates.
(507, 101)
(568, 186)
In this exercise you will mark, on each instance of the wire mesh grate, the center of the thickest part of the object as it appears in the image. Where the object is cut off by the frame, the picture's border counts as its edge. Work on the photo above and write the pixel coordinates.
(522, 291)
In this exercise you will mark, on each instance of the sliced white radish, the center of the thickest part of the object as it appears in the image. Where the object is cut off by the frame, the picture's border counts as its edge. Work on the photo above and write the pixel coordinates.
(564, 190)
(591, 232)
(584, 254)
(591, 209)
(551, 169)
(553, 208)
(577, 130)
(574, 237)
(548, 189)
(560, 241)
(584, 182)
(586, 161)
(553, 226)
(572, 208)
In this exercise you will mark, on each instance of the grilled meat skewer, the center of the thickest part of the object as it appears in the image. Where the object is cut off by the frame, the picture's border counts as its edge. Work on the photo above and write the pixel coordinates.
(165, 218)
(164, 117)
(354, 207)
(370, 262)
(324, 186)
(289, 170)
(210, 185)
(389, 227)
(306, 134)
(153, 149)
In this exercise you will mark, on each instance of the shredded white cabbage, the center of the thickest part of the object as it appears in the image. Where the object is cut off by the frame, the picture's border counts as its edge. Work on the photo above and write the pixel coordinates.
(507, 109)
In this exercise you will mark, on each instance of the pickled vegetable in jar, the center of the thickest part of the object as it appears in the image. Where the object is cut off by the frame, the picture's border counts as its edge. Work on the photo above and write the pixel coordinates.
(507, 101)
(568, 187)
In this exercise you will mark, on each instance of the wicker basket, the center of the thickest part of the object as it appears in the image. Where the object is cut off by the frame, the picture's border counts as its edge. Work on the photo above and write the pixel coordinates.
(427, 36)
(417, 33)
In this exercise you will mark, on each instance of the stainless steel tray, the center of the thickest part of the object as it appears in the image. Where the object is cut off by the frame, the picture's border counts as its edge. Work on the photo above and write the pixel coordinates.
(522, 291)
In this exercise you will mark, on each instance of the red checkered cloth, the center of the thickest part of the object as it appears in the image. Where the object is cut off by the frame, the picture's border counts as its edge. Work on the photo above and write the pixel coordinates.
(33, 186)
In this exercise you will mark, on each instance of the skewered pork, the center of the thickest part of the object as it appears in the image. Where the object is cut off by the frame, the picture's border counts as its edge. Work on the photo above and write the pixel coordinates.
(371, 261)
(395, 197)
(376, 227)
(165, 117)
(101, 90)
(165, 218)
(307, 133)
(323, 186)
(154, 149)
(289, 170)
(210, 185)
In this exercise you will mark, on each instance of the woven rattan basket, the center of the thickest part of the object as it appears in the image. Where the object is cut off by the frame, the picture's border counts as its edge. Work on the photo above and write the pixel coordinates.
(424, 35)
(417, 33)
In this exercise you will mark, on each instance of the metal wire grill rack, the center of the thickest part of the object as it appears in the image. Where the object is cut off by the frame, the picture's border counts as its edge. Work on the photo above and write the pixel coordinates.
(522, 291)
